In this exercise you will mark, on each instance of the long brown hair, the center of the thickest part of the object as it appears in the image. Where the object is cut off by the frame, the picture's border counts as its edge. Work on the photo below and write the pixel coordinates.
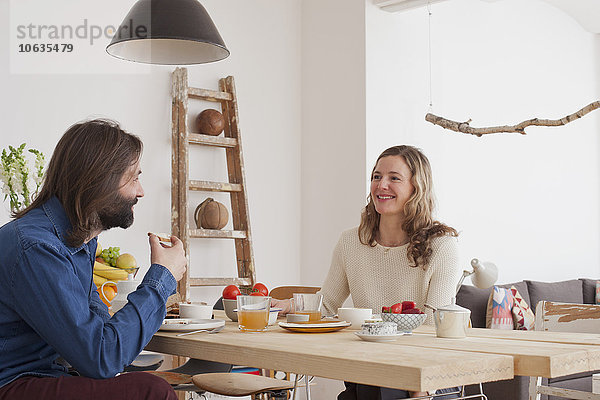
(419, 224)
(85, 173)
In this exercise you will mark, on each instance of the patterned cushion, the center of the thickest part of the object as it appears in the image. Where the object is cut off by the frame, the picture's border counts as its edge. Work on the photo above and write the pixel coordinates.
(522, 315)
(597, 292)
(500, 304)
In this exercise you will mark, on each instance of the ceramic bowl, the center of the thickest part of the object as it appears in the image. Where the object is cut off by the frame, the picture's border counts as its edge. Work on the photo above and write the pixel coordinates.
(195, 311)
(229, 306)
(356, 316)
(405, 322)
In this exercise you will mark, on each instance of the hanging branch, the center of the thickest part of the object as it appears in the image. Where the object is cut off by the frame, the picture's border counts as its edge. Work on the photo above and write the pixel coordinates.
(464, 127)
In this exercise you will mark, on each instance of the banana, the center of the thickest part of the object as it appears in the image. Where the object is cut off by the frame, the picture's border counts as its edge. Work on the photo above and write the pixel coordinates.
(98, 280)
(110, 273)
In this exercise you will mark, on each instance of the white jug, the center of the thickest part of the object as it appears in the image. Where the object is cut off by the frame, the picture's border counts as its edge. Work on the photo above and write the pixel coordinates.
(123, 289)
(451, 321)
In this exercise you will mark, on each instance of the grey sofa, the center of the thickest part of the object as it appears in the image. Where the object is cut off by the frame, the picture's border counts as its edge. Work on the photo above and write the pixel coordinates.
(572, 291)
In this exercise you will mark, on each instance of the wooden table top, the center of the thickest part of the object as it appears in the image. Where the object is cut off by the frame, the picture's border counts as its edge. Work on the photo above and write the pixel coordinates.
(420, 361)
(339, 355)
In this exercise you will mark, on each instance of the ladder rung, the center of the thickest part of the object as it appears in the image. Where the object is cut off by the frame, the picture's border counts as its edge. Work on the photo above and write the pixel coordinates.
(211, 95)
(220, 281)
(217, 234)
(208, 186)
(208, 140)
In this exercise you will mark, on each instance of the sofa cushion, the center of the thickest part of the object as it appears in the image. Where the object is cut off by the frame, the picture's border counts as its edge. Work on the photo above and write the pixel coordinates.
(476, 300)
(523, 317)
(563, 292)
(500, 304)
(521, 288)
(589, 290)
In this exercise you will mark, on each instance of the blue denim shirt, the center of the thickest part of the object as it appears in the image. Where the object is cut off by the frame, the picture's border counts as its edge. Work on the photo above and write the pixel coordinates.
(49, 307)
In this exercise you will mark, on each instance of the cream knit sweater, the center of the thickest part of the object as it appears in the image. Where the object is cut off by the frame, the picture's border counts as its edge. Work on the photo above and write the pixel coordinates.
(381, 276)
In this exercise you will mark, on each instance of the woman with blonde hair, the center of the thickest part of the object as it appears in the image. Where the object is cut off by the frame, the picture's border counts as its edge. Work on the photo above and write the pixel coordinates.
(399, 252)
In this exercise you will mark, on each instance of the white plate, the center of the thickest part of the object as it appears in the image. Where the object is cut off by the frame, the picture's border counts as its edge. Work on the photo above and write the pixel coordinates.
(323, 324)
(147, 358)
(379, 338)
(192, 325)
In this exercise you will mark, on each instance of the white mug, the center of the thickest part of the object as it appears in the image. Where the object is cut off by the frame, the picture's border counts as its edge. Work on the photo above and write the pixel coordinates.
(356, 316)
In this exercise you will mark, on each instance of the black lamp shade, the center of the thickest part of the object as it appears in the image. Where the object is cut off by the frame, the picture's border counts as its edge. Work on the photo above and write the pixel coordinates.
(171, 32)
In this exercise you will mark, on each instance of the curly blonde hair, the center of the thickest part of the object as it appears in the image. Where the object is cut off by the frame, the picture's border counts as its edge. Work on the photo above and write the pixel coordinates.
(419, 224)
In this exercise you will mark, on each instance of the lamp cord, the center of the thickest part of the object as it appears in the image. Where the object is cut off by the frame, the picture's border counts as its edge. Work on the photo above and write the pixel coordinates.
(429, 44)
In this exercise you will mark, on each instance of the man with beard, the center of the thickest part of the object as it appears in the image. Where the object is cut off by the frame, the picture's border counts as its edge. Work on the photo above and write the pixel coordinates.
(57, 339)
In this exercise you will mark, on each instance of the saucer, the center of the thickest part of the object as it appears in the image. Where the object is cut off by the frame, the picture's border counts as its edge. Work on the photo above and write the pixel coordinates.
(379, 338)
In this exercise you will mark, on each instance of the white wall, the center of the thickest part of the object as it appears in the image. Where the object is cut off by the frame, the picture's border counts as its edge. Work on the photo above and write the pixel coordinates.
(324, 87)
(264, 39)
(333, 126)
(333, 136)
(528, 203)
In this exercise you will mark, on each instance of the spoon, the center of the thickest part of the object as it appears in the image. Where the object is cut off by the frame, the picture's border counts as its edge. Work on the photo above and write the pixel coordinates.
(213, 330)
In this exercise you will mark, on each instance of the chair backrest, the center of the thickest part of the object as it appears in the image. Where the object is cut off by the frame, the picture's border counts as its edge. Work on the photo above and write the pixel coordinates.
(286, 292)
(564, 317)
(567, 317)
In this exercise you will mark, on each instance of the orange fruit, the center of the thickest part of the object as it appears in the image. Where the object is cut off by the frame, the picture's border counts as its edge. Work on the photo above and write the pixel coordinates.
(109, 293)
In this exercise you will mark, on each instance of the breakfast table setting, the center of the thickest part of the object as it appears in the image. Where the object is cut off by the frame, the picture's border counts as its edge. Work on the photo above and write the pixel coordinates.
(393, 349)
(416, 361)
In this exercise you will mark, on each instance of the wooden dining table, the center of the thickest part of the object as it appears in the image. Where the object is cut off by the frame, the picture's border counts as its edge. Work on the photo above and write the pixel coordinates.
(418, 362)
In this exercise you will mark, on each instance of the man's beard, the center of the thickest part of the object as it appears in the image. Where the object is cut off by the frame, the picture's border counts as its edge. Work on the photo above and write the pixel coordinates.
(119, 214)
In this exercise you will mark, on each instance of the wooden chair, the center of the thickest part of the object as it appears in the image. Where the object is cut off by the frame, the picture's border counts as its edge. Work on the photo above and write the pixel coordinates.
(237, 385)
(564, 317)
(208, 376)
(286, 292)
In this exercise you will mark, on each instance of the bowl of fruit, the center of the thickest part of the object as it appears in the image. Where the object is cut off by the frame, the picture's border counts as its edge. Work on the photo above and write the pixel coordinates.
(230, 294)
(406, 316)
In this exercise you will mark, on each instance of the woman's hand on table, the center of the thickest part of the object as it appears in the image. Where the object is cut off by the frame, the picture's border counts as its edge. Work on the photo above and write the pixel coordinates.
(285, 305)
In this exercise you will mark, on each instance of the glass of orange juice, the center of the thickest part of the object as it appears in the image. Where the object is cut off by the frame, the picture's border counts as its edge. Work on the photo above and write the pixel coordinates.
(253, 313)
(309, 304)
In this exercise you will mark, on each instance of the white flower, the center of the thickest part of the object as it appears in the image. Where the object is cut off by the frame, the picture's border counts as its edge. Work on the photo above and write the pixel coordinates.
(37, 178)
(18, 183)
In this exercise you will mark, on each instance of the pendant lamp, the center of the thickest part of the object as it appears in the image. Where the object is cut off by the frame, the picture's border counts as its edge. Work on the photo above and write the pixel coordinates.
(169, 32)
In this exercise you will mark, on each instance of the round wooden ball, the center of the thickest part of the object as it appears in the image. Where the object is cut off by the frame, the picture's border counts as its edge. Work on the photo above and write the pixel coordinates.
(215, 216)
(210, 122)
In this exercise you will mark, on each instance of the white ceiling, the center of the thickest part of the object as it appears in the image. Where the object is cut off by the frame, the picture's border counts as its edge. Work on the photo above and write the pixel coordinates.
(585, 12)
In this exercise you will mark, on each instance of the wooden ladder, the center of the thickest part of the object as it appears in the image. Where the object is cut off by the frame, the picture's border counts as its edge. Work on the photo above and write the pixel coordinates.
(180, 182)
